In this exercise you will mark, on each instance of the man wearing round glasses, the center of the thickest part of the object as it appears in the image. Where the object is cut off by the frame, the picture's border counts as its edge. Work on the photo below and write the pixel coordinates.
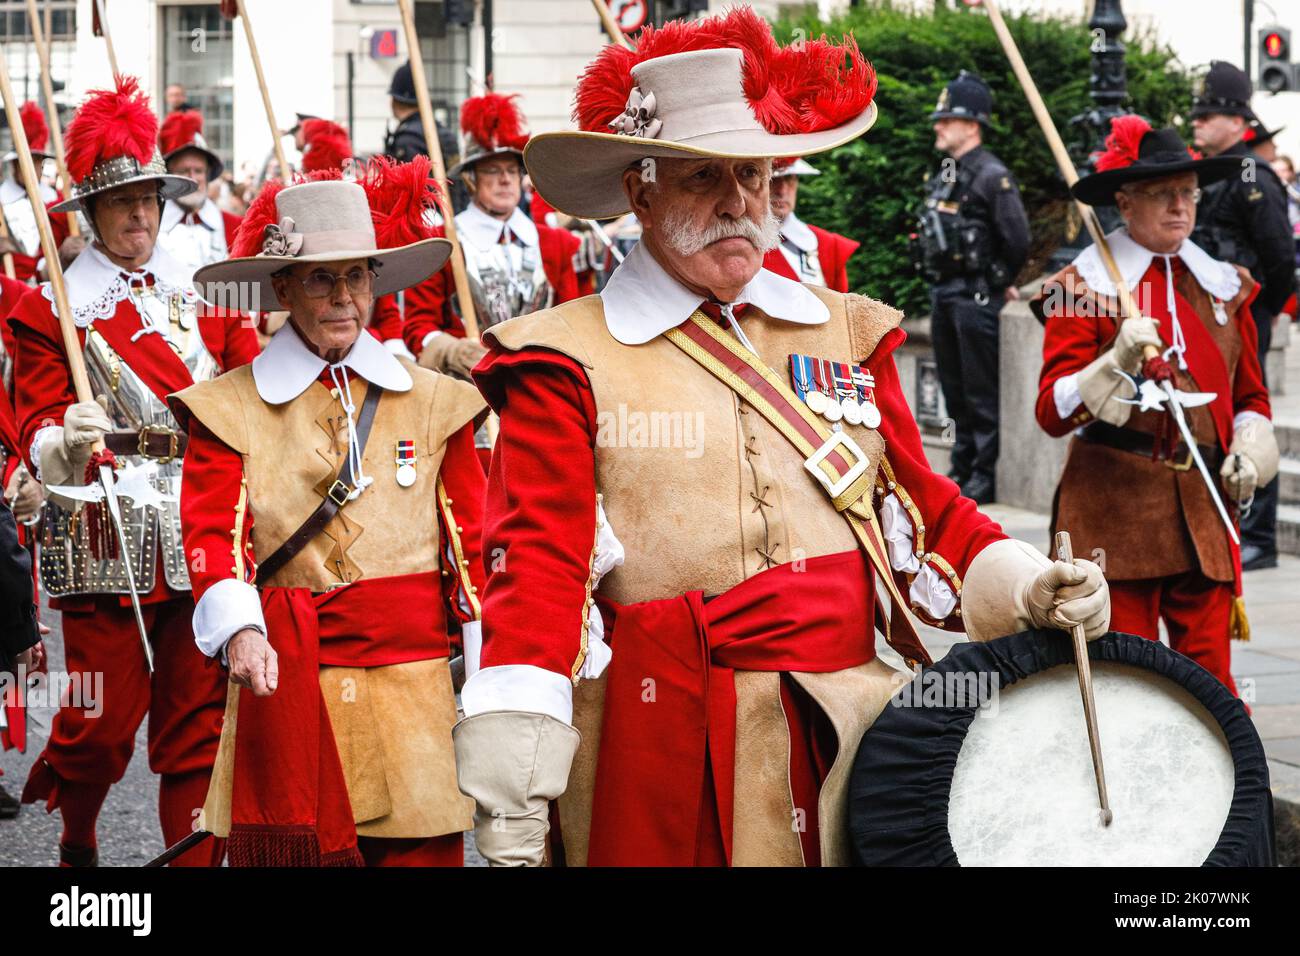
(515, 266)
(336, 502)
(1130, 493)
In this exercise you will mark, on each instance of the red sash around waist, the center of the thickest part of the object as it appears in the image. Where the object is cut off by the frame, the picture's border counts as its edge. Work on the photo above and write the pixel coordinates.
(379, 621)
(669, 726)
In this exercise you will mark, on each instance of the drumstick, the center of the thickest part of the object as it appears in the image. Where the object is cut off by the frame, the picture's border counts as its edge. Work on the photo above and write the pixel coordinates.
(1066, 553)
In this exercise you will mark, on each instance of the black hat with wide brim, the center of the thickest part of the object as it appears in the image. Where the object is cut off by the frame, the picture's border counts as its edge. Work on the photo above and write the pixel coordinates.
(1161, 153)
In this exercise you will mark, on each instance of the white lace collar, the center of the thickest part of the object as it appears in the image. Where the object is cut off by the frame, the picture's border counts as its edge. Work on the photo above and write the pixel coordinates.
(796, 231)
(643, 301)
(96, 285)
(483, 231)
(286, 367)
(10, 191)
(173, 212)
(1219, 279)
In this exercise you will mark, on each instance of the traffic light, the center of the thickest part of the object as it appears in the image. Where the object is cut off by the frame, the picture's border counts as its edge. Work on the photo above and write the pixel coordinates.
(1277, 74)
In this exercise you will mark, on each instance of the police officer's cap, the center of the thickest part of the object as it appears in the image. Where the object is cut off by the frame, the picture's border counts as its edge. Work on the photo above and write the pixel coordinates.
(1224, 89)
(402, 87)
(967, 97)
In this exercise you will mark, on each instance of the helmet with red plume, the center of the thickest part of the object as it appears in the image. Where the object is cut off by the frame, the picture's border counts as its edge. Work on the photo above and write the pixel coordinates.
(183, 130)
(490, 125)
(112, 141)
(38, 134)
(326, 145)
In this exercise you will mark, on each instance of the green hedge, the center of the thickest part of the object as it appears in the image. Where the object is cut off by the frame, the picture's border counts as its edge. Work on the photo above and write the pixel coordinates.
(870, 188)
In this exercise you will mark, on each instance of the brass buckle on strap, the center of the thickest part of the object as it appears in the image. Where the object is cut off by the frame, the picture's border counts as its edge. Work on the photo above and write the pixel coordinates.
(1183, 464)
(173, 442)
(338, 493)
(838, 439)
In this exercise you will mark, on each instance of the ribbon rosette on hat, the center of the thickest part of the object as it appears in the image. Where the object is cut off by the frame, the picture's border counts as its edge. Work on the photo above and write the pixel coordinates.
(638, 117)
(279, 239)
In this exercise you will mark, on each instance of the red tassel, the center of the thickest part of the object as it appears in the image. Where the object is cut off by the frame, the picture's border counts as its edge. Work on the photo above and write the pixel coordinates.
(1158, 369)
(99, 526)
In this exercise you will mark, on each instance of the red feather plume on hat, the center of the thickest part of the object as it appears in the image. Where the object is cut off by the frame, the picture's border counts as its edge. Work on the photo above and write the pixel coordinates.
(1122, 144)
(399, 195)
(179, 129)
(494, 120)
(109, 124)
(33, 120)
(813, 86)
(326, 153)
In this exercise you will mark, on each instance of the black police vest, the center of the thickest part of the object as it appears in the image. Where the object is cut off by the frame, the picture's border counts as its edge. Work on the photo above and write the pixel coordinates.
(954, 237)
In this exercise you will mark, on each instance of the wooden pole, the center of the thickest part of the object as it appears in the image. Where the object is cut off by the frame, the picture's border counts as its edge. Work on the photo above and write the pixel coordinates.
(108, 37)
(52, 111)
(616, 34)
(71, 345)
(1063, 161)
(463, 296)
(276, 139)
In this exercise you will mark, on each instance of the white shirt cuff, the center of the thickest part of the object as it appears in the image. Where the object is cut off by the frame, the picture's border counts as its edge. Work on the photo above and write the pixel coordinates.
(931, 592)
(430, 337)
(518, 687)
(896, 524)
(1066, 395)
(471, 636)
(225, 609)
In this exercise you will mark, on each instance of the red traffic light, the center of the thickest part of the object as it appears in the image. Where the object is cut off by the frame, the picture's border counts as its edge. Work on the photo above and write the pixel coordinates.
(1275, 45)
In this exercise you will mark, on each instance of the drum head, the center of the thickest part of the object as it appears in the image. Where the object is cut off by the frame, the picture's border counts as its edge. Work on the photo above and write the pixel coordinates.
(945, 781)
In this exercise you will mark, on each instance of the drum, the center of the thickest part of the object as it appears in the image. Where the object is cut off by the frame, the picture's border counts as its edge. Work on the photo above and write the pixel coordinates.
(983, 760)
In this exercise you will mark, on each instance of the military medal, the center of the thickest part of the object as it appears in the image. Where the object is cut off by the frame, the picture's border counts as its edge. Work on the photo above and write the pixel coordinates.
(817, 401)
(406, 463)
(864, 382)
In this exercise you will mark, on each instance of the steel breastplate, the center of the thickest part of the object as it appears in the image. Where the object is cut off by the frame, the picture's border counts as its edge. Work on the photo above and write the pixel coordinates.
(22, 226)
(196, 246)
(67, 564)
(506, 280)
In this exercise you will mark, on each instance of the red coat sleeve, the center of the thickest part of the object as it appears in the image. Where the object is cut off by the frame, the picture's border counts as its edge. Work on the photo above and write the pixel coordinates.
(464, 483)
(42, 380)
(428, 309)
(212, 511)
(386, 319)
(558, 247)
(947, 529)
(539, 522)
(1249, 394)
(1070, 342)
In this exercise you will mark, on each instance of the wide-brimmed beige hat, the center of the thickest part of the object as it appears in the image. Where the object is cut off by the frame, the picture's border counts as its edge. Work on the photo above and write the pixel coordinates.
(323, 221)
(745, 97)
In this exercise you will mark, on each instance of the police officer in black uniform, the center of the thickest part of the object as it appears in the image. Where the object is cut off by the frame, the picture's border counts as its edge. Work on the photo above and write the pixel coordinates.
(406, 140)
(972, 239)
(1243, 219)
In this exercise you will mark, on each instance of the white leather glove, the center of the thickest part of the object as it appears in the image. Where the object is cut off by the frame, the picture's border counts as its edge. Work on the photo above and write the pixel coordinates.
(1012, 587)
(1133, 338)
(512, 764)
(1256, 445)
(452, 355)
(64, 455)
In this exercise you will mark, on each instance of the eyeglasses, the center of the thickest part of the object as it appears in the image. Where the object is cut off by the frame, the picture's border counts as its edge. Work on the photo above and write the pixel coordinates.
(320, 283)
(509, 173)
(128, 203)
(1166, 197)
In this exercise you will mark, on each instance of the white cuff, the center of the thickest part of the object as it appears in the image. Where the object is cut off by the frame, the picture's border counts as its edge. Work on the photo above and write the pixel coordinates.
(1066, 395)
(38, 439)
(225, 609)
(896, 524)
(471, 636)
(429, 338)
(518, 687)
(398, 348)
(1242, 417)
(598, 652)
(932, 593)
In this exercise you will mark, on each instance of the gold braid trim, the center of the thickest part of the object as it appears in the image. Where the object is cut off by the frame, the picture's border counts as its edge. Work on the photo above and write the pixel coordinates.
(237, 532)
(893, 487)
(587, 602)
(458, 552)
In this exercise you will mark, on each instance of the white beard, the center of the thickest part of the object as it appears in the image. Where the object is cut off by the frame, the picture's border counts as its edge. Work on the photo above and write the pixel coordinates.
(192, 201)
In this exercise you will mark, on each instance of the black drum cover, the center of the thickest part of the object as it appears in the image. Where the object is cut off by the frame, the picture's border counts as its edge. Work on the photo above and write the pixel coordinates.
(903, 773)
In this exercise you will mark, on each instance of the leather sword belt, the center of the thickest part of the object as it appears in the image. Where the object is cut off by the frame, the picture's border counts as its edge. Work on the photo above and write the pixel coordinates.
(1144, 443)
(157, 442)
